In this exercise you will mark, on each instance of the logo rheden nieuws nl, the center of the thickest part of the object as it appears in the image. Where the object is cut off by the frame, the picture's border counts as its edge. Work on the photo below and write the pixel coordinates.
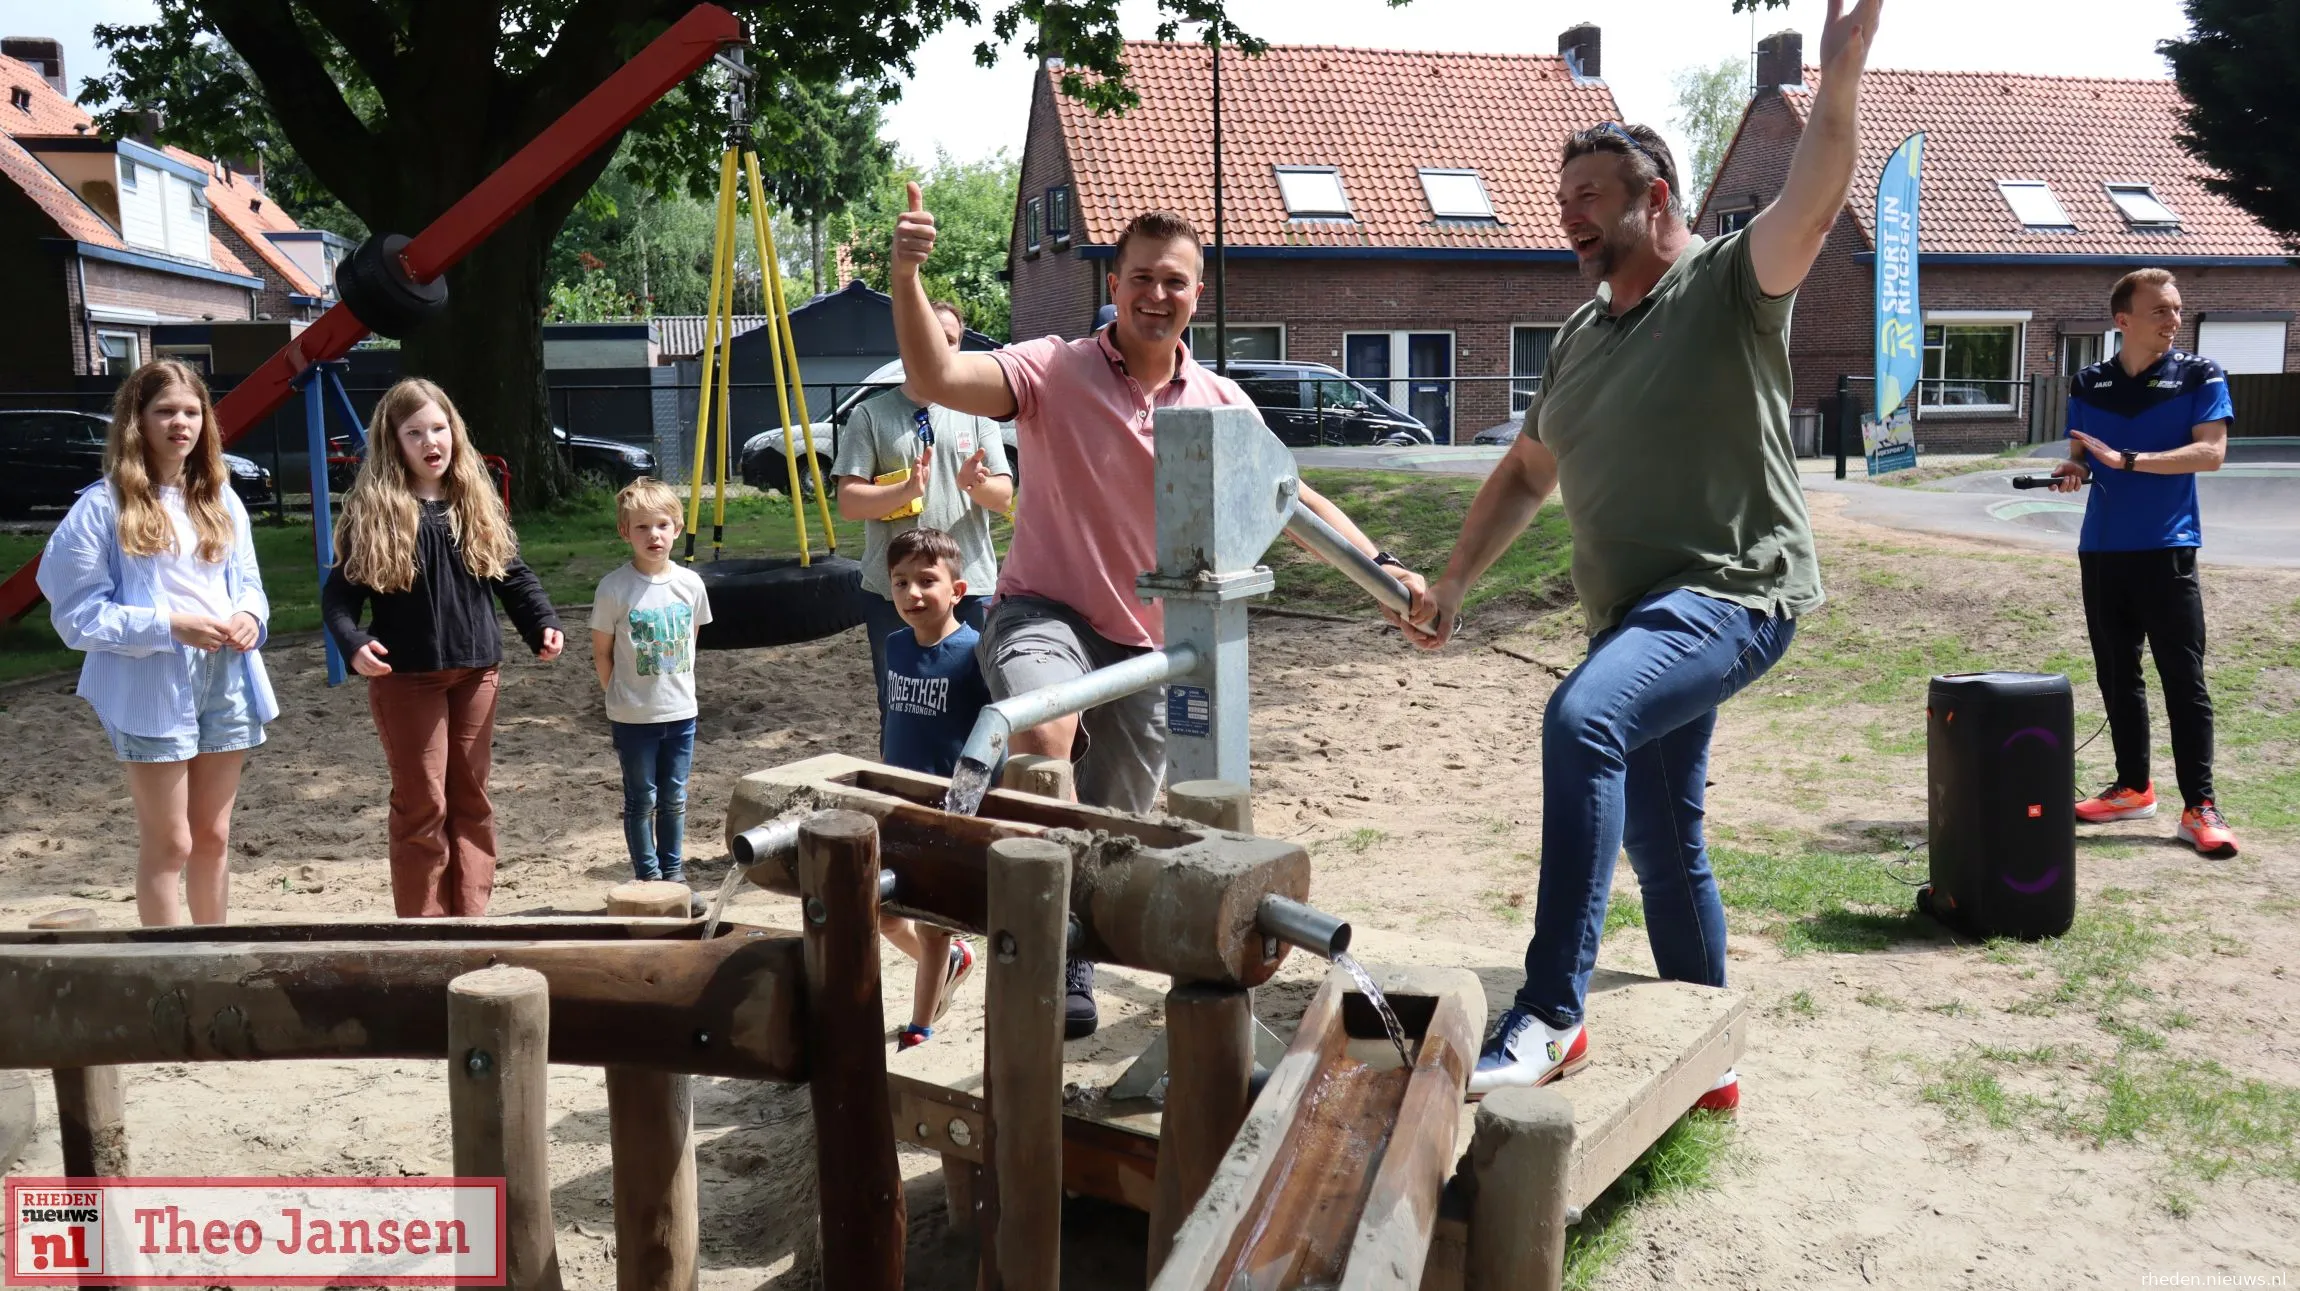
(273, 1232)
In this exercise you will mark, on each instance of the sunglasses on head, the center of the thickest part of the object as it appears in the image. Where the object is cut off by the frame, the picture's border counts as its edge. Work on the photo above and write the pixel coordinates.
(1614, 128)
(925, 427)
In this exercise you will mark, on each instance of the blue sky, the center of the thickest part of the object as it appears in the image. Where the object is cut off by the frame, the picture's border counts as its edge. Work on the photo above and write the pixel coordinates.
(971, 111)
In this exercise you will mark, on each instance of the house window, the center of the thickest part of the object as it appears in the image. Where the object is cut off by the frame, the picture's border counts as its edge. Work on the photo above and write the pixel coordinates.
(119, 351)
(128, 171)
(1265, 342)
(1058, 213)
(20, 98)
(1528, 359)
(1734, 221)
(2140, 207)
(1313, 193)
(1971, 367)
(2080, 350)
(199, 358)
(1456, 195)
(2033, 204)
(1034, 223)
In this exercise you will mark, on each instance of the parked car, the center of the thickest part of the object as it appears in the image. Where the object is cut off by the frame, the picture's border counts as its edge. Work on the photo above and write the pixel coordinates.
(48, 455)
(1502, 435)
(604, 463)
(1310, 405)
(761, 463)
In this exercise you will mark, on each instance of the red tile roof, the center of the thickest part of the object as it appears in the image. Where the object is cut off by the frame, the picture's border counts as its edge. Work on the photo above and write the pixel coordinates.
(2077, 134)
(50, 113)
(1379, 115)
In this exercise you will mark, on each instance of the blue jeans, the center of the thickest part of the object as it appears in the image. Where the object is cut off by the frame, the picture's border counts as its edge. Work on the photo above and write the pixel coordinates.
(656, 757)
(1624, 758)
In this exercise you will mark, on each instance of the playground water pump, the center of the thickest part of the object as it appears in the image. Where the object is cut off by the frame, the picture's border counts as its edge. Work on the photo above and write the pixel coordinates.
(2000, 770)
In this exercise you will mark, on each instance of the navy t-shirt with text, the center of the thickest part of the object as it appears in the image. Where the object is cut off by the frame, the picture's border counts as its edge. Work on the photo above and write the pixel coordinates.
(933, 695)
(2154, 412)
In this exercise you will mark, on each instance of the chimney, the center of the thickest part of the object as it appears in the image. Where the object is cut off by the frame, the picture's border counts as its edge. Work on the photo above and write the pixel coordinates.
(149, 123)
(43, 53)
(1780, 61)
(1578, 46)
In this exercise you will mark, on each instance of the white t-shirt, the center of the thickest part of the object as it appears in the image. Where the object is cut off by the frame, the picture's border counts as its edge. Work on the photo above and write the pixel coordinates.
(654, 619)
(192, 585)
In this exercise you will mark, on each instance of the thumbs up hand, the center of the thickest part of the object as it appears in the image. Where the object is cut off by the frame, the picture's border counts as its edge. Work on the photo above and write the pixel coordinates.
(913, 235)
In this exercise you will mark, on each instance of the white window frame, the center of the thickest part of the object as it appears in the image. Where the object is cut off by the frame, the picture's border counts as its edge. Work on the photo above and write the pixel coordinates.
(2005, 189)
(1315, 212)
(2017, 319)
(1233, 329)
(1515, 376)
(1484, 198)
(1061, 236)
(129, 182)
(104, 358)
(1743, 213)
(1033, 225)
(2118, 190)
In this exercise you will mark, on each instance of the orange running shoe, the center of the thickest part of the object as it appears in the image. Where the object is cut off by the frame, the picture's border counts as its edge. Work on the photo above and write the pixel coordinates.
(2203, 828)
(2118, 802)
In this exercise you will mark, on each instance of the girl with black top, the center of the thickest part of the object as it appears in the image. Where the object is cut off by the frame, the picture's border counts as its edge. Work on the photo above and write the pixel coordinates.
(425, 544)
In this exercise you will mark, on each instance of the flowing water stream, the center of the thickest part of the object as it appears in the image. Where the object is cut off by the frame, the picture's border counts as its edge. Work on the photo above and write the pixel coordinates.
(1381, 1003)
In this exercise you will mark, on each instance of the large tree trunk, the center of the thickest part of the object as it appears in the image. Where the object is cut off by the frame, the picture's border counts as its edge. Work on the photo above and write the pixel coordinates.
(486, 351)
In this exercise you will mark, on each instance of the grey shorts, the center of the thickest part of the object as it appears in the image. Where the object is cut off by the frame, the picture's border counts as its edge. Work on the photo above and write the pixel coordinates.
(1120, 753)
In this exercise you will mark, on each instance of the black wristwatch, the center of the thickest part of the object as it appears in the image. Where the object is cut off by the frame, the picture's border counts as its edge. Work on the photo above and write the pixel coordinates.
(2129, 455)
(1384, 558)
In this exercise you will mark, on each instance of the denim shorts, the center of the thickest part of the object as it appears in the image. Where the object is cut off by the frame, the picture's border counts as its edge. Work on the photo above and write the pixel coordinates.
(227, 719)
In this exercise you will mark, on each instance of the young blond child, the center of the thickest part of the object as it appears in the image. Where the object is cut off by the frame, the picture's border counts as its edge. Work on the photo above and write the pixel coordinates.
(644, 621)
(934, 691)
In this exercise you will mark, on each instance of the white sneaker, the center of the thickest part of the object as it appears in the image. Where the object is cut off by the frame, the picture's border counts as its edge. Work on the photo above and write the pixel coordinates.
(1524, 1051)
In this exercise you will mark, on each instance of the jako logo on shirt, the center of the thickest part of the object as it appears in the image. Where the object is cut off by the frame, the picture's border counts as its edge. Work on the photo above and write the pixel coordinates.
(922, 696)
(662, 640)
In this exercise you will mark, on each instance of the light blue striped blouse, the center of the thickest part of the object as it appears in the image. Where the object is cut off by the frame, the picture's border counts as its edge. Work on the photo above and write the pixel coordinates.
(112, 606)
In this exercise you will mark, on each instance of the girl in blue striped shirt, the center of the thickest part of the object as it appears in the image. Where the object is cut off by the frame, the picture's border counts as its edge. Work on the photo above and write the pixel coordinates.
(153, 574)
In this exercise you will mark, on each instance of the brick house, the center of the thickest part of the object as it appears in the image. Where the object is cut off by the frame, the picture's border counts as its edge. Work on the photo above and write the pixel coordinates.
(103, 241)
(2039, 192)
(1390, 213)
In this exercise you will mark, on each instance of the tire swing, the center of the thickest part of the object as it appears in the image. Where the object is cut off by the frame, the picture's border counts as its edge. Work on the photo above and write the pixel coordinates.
(771, 601)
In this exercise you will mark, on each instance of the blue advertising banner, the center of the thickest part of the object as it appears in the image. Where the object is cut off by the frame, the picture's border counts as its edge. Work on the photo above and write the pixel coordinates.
(1890, 435)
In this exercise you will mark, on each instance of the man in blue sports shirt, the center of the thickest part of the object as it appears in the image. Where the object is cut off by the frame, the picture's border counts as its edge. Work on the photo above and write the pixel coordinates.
(2141, 425)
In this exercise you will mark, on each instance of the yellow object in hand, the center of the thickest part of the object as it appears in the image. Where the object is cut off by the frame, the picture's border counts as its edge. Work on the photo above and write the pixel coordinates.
(907, 509)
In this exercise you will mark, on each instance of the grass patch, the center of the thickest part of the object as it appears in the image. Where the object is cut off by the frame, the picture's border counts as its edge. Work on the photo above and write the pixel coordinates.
(569, 547)
(1358, 840)
(1417, 518)
(1922, 474)
(1624, 914)
(1799, 1003)
(2095, 961)
(1682, 1160)
(1972, 1091)
(1816, 900)
(2208, 1120)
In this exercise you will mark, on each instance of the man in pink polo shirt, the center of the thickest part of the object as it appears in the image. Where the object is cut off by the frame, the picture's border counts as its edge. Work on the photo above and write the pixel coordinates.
(1087, 524)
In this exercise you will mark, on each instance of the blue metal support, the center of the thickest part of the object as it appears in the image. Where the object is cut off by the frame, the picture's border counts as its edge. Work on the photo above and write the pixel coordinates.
(318, 380)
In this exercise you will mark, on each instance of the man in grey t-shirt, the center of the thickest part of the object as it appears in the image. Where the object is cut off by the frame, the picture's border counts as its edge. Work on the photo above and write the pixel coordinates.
(950, 474)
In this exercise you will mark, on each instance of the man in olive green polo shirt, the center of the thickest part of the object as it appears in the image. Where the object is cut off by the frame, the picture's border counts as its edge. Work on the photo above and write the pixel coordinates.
(1663, 419)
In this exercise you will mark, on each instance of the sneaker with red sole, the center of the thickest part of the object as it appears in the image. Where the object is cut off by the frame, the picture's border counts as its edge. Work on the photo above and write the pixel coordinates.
(911, 1037)
(1523, 1051)
(2118, 802)
(961, 965)
(1723, 1098)
(2203, 828)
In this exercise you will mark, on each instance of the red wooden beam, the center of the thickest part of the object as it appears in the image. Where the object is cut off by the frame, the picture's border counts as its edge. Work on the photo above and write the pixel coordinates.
(667, 60)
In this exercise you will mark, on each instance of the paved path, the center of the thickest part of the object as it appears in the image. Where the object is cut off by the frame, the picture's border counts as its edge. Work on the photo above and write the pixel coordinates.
(2251, 505)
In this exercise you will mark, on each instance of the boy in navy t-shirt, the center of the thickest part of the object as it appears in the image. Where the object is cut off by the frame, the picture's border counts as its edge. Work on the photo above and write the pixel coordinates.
(934, 691)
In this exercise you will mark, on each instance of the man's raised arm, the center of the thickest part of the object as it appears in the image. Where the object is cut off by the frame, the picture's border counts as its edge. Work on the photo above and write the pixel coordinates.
(1786, 236)
(961, 381)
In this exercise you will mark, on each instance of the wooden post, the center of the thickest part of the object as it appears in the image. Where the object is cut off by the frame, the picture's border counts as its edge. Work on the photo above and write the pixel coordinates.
(860, 1185)
(1036, 773)
(91, 1102)
(961, 1194)
(1209, 1064)
(651, 1133)
(498, 1078)
(1029, 905)
(1219, 803)
(1521, 1156)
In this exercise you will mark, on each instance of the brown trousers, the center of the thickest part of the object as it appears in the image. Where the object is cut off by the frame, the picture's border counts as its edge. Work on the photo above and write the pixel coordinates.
(438, 732)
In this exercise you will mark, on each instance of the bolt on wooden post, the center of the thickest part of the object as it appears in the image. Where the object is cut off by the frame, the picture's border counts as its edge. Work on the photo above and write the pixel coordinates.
(860, 1184)
(498, 1083)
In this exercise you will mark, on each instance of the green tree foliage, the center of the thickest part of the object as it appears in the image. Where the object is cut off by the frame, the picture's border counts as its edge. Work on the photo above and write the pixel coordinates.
(829, 155)
(973, 205)
(654, 248)
(1708, 107)
(2235, 70)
